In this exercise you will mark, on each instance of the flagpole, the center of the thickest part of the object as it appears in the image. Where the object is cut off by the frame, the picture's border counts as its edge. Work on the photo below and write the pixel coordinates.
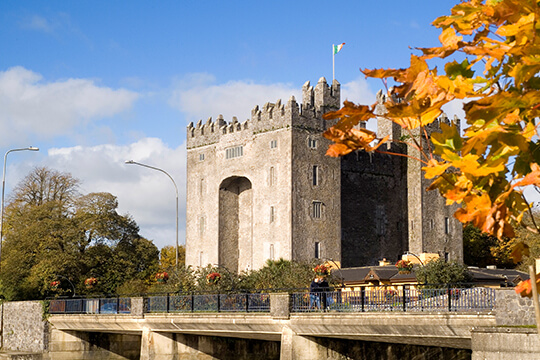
(333, 63)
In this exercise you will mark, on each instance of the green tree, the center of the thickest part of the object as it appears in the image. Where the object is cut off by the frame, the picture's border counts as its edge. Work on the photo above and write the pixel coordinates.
(167, 258)
(437, 272)
(481, 249)
(54, 233)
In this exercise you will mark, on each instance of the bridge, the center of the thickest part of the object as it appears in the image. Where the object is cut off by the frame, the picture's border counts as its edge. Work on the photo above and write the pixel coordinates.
(290, 326)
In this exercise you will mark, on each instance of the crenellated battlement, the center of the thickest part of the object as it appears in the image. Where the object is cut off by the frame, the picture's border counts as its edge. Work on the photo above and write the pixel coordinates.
(272, 116)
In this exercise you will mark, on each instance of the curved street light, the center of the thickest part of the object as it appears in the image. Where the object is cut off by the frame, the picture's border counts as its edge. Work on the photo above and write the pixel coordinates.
(30, 148)
(131, 162)
(69, 281)
(339, 269)
(416, 256)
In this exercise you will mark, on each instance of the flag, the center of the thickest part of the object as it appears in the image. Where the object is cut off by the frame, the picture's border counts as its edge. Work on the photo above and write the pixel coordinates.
(338, 47)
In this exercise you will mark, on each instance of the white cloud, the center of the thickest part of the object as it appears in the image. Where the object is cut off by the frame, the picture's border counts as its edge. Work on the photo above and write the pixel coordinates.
(32, 108)
(148, 195)
(39, 23)
(199, 97)
(357, 91)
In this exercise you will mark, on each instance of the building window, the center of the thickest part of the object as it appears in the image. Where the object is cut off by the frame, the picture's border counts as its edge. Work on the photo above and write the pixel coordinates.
(315, 175)
(234, 152)
(317, 210)
(317, 250)
(201, 259)
(312, 143)
(446, 225)
(431, 224)
(201, 157)
(272, 214)
(271, 252)
(271, 176)
(202, 225)
(201, 187)
(273, 144)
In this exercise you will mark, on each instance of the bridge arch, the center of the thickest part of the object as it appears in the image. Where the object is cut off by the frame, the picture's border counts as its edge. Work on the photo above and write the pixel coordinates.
(235, 222)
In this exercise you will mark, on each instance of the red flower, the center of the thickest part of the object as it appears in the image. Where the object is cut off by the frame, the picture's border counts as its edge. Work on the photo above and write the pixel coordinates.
(213, 278)
(162, 276)
(321, 270)
(90, 282)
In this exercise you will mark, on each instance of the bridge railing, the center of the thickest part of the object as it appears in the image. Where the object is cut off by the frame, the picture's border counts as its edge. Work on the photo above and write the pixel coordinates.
(243, 302)
(116, 305)
(396, 298)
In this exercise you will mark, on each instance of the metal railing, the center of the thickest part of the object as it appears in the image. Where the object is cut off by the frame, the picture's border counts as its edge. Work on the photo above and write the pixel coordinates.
(368, 299)
(115, 305)
(245, 302)
(396, 298)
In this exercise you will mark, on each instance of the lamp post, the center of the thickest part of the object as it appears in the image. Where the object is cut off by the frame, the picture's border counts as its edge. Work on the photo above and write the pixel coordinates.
(416, 256)
(69, 281)
(339, 269)
(30, 148)
(131, 162)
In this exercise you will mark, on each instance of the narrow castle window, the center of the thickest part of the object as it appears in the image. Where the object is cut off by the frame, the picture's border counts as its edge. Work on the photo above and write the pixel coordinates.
(317, 210)
(272, 214)
(201, 187)
(271, 252)
(271, 176)
(317, 250)
(273, 144)
(201, 259)
(315, 175)
(446, 225)
(202, 225)
(201, 157)
(312, 143)
(234, 152)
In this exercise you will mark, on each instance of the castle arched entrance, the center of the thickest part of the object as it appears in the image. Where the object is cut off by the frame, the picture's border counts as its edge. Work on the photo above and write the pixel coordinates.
(235, 222)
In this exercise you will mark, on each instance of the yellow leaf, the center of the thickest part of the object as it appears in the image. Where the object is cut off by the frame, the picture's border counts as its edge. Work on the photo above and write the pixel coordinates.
(435, 168)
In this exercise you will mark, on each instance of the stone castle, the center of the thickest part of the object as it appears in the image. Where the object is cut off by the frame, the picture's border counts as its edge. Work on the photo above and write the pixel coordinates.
(264, 189)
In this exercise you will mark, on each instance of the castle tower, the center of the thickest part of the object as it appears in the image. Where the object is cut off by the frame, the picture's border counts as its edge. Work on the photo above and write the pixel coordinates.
(432, 226)
(264, 189)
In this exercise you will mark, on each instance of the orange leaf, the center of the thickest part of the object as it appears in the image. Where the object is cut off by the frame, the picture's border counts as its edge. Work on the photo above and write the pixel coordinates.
(518, 251)
(435, 168)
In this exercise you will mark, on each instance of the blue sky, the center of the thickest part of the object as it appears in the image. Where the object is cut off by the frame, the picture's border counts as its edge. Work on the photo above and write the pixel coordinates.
(95, 83)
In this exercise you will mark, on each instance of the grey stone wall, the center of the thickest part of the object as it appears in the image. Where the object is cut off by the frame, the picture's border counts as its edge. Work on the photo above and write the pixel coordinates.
(512, 309)
(373, 208)
(24, 326)
(505, 344)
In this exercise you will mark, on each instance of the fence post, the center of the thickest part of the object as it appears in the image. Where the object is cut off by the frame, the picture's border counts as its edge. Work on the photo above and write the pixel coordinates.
(247, 302)
(362, 296)
(99, 306)
(218, 303)
(404, 299)
(168, 302)
(449, 292)
(117, 304)
(192, 302)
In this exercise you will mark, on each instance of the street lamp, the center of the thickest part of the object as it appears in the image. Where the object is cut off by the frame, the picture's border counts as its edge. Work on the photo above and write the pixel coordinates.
(339, 269)
(131, 162)
(416, 256)
(30, 148)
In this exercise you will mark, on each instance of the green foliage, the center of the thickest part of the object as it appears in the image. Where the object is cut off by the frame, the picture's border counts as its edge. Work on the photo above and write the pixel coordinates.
(281, 274)
(54, 233)
(167, 258)
(438, 272)
(481, 249)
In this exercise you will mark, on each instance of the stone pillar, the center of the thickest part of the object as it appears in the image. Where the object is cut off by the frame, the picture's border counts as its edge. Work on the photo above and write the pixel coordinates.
(68, 345)
(296, 347)
(280, 306)
(158, 346)
(137, 307)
